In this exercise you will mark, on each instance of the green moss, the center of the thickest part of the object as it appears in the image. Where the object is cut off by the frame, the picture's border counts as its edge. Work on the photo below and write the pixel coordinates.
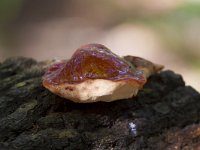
(146, 90)
(67, 134)
(27, 106)
(20, 84)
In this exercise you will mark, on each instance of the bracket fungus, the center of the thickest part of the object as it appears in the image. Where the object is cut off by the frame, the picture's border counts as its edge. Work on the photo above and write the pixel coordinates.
(94, 74)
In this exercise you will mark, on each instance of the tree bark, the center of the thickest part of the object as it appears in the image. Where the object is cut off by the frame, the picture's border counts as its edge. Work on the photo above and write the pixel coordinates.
(164, 115)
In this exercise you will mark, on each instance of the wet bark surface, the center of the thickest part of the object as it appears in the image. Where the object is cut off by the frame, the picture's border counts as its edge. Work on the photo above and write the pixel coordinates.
(164, 115)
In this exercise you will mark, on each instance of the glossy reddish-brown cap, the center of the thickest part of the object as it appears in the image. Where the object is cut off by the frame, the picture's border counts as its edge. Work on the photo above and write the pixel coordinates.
(92, 61)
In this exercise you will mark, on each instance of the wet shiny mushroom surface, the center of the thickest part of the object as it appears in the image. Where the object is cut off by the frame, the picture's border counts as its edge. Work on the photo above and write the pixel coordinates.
(94, 73)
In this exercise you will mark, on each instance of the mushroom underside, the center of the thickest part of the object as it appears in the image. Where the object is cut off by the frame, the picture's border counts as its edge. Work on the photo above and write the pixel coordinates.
(96, 90)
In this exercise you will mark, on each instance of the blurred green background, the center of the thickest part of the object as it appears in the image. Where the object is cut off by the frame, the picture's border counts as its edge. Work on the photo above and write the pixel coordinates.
(164, 31)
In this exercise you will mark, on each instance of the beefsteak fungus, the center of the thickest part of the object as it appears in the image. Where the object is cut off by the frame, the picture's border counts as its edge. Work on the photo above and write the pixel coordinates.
(95, 74)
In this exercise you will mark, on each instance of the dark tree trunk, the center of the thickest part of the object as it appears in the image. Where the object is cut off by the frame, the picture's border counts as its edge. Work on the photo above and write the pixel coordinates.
(164, 115)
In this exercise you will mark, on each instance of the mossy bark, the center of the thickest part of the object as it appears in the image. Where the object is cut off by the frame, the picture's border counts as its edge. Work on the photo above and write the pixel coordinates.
(164, 115)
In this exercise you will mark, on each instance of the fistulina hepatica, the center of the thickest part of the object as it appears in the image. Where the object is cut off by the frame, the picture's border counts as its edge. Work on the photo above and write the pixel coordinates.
(94, 73)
